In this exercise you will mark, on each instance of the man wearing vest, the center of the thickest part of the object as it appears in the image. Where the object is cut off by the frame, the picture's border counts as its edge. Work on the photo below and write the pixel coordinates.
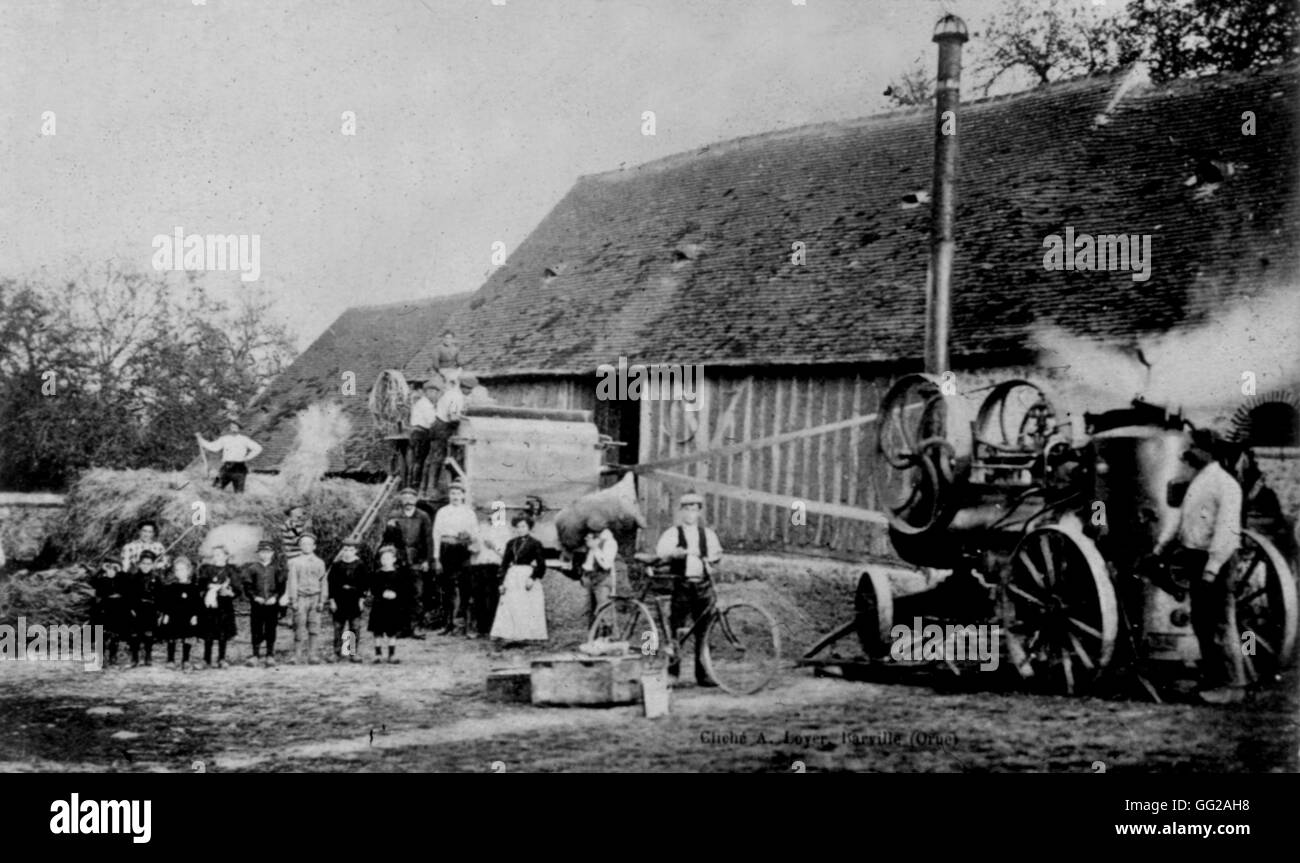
(693, 552)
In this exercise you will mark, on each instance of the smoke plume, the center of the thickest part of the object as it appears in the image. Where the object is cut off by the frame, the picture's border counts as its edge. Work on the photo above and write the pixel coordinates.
(321, 427)
(1203, 370)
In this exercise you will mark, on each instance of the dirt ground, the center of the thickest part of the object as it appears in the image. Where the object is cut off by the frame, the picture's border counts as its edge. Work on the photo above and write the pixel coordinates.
(430, 713)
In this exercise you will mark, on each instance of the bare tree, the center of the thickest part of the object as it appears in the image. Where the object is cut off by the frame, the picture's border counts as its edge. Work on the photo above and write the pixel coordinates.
(1051, 40)
(914, 87)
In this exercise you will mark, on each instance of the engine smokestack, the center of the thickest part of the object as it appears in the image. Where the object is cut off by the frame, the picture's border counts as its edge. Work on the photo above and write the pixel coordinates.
(950, 33)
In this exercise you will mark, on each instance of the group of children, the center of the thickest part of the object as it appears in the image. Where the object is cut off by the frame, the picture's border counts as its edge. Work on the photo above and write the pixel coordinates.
(143, 601)
(150, 598)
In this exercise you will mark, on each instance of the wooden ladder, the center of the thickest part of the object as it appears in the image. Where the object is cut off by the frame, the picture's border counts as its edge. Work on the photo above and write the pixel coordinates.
(372, 512)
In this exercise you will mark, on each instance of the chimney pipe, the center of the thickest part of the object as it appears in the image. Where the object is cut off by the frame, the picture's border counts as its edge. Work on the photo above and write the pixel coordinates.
(950, 33)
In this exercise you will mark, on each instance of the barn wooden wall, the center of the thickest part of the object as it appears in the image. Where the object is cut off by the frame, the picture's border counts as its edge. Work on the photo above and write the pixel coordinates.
(738, 406)
(560, 393)
(834, 467)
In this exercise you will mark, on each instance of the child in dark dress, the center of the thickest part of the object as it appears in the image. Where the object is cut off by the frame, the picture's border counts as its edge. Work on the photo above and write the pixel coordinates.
(390, 595)
(144, 587)
(217, 582)
(112, 607)
(347, 593)
(181, 605)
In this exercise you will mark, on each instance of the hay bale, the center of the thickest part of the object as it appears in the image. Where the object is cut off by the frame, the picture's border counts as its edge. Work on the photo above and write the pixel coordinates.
(105, 508)
(51, 597)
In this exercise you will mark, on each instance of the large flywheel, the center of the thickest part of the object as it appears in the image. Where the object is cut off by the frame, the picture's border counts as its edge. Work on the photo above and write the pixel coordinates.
(915, 456)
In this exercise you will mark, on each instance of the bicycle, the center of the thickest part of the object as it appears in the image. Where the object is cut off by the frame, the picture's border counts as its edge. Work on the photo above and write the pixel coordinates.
(741, 649)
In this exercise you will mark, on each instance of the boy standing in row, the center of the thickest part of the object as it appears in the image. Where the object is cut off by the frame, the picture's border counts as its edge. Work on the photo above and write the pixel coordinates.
(307, 593)
(347, 583)
(264, 585)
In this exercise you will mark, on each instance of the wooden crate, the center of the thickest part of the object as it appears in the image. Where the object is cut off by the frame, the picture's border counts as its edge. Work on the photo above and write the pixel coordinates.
(510, 684)
(587, 680)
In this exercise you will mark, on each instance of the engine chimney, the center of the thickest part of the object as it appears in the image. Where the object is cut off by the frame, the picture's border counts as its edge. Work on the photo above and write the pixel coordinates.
(950, 33)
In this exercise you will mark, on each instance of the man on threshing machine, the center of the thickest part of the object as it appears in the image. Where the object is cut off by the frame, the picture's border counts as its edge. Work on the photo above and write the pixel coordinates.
(423, 416)
(447, 416)
(1196, 545)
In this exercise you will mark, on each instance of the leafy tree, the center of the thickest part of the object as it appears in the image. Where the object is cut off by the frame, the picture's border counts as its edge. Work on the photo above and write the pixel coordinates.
(1052, 40)
(1179, 38)
(119, 368)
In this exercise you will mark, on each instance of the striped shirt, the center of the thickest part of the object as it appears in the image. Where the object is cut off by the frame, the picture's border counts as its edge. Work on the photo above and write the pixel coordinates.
(290, 533)
(132, 550)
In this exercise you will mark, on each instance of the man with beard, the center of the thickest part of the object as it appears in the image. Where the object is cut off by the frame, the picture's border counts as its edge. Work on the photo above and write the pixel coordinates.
(410, 531)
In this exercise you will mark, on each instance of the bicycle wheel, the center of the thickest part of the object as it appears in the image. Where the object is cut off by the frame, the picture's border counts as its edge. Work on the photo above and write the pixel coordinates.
(626, 619)
(742, 648)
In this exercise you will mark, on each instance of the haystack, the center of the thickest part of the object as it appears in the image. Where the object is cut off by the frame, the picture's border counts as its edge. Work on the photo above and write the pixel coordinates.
(105, 508)
(50, 598)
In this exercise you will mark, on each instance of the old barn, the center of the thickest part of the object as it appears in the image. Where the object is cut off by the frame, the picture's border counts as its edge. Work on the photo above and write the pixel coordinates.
(792, 266)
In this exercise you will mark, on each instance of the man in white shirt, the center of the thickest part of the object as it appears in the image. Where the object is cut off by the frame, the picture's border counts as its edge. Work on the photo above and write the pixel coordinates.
(236, 450)
(693, 551)
(423, 416)
(455, 535)
(447, 414)
(1200, 539)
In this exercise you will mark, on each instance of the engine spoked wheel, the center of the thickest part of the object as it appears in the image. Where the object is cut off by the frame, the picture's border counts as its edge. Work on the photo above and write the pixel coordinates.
(1058, 611)
(1266, 606)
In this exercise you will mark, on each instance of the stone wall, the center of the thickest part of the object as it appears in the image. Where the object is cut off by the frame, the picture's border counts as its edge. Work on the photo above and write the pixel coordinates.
(26, 521)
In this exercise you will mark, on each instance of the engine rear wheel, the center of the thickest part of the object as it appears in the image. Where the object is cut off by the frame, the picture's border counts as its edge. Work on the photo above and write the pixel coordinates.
(1266, 606)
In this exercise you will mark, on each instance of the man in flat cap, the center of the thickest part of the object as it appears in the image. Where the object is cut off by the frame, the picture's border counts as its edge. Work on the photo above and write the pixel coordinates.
(237, 449)
(455, 539)
(693, 551)
(423, 417)
(410, 531)
(1199, 542)
(450, 408)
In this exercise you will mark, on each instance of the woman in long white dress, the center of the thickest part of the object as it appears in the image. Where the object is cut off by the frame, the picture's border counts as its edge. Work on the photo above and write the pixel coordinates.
(521, 614)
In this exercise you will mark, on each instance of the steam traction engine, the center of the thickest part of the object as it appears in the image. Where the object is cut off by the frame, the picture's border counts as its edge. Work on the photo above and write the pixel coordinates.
(1047, 530)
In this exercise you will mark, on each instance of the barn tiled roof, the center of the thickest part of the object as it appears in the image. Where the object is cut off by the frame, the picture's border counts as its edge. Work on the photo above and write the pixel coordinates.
(364, 340)
(688, 259)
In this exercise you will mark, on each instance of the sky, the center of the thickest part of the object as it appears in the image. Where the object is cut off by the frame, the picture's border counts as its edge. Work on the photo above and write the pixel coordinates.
(473, 118)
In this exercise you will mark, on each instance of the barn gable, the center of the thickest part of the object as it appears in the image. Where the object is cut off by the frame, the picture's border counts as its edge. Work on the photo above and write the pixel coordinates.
(365, 340)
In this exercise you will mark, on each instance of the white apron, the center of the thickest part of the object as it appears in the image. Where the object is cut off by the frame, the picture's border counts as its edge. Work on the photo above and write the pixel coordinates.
(521, 614)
